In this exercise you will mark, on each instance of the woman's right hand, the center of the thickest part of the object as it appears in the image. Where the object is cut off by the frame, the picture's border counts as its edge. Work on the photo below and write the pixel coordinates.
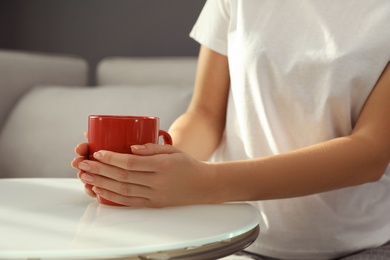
(82, 150)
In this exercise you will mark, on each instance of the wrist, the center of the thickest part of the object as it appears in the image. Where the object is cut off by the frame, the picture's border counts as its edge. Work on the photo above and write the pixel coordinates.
(215, 187)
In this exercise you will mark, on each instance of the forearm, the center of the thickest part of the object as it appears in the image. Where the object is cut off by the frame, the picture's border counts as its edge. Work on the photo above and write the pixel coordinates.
(331, 165)
(196, 135)
(358, 158)
(199, 130)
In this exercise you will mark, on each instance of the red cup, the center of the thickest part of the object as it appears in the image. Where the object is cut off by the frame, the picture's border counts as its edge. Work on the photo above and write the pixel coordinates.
(119, 133)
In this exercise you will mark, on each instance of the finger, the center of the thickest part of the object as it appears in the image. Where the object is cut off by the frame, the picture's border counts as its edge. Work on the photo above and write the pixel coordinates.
(79, 175)
(121, 188)
(91, 170)
(76, 162)
(138, 202)
(82, 149)
(130, 161)
(151, 149)
(88, 188)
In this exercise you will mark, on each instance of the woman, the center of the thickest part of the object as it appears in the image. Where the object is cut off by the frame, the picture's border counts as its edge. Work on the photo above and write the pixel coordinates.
(291, 101)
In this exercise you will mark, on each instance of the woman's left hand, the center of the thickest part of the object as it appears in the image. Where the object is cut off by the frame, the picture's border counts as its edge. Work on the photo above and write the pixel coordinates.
(153, 176)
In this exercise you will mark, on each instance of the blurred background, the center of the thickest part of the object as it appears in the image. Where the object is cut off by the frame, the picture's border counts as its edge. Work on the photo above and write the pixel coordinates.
(94, 29)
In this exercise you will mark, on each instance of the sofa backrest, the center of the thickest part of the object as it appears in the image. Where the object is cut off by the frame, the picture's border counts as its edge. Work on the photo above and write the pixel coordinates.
(19, 71)
(173, 71)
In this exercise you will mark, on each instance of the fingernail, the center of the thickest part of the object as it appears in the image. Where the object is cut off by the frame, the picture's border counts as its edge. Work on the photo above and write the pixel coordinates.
(96, 190)
(138, 147)
(87, 177)
(98, 155)
(84, 166)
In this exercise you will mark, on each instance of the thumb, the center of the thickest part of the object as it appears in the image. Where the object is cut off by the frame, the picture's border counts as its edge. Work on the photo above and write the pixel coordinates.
(152, 149)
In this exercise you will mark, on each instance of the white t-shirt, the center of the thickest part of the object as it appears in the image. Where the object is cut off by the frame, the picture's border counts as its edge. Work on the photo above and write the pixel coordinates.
(300, 74)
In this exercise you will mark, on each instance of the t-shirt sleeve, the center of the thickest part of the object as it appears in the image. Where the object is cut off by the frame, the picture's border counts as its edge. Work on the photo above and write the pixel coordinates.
(211, 28)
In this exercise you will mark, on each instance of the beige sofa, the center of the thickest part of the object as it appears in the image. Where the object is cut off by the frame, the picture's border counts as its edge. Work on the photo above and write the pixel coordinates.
(44, 103)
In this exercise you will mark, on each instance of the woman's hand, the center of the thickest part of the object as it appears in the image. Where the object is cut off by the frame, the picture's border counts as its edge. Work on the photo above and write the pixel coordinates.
(82, 150)
(153, 176)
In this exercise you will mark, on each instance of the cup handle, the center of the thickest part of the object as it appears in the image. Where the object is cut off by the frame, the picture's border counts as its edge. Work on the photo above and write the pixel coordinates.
(166, 137)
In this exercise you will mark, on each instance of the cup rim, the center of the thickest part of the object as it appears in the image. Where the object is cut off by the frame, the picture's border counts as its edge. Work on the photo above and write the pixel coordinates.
(122, 117)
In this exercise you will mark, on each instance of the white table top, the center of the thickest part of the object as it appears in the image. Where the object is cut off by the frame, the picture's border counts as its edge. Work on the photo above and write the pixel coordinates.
(54, 219)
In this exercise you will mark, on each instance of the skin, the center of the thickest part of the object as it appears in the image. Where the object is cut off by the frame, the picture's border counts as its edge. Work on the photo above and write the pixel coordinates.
(162, 175)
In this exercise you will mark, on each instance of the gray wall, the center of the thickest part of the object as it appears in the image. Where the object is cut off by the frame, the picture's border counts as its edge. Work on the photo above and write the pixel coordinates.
(94, 29)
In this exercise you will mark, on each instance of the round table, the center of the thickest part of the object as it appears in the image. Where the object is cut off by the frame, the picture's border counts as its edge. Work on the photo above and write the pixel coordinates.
(47, 218)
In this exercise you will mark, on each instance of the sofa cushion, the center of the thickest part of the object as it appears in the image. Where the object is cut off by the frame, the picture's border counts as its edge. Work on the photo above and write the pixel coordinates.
(39, 137)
